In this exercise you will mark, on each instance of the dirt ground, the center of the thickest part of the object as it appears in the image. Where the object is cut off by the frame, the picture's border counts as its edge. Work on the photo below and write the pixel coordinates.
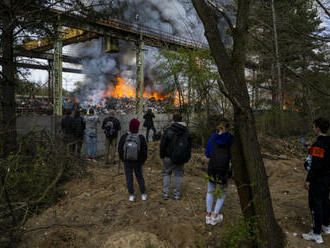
(96, 212)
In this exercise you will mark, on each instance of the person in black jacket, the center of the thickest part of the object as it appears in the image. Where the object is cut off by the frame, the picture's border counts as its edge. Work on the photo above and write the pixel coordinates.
(133, 150)
(79, 127)
(149, 124)
(67, 129)
(111, 126)
(167, 152)
(318, 182)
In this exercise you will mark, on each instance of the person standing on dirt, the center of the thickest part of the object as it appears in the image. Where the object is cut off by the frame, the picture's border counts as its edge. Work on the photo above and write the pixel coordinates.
(175, 151)
(79, 127)
(149, 124)
(67, 129)
(111, 126)
(133, 150)
(318, 181)
(91, 134)
(218, 150)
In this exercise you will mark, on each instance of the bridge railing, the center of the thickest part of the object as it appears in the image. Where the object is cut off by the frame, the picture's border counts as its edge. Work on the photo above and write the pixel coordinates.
(155, 33)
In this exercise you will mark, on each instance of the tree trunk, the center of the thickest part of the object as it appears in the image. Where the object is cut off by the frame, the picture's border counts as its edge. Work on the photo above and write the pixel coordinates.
(277, 60)
(231, 69)
(8, 117)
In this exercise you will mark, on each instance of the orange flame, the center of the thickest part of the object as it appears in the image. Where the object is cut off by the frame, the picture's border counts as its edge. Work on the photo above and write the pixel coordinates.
(122, 90)
(176, 99)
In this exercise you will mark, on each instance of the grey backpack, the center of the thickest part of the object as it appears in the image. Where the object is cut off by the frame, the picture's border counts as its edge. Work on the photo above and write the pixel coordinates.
(131, 147)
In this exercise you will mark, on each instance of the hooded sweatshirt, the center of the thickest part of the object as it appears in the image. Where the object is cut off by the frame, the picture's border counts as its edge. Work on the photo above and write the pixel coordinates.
(220, 139)
(176, 127)
(320, 167)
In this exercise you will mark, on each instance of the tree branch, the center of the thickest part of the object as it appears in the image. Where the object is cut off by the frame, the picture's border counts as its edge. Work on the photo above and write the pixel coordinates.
(324, 8)
(223, 13)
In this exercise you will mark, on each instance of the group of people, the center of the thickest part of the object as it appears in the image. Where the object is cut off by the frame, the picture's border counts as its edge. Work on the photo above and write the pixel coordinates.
(75, 128)
(175, 151)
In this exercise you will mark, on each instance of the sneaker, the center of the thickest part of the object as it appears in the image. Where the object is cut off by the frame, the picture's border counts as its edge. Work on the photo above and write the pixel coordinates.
(216, 220)
(176, 197)
(208, 220)
(131, 198)
(326, 229)
(89, 159)
(144, 197)
(94, 160)
(313, 237)
(165, 196)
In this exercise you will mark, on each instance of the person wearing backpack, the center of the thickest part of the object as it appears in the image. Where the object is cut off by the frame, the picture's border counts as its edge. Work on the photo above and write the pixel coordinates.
(175, 151)
(318, 181)
(149, 124)
(111, 126)
(218, 150)
(133, 152)
(79, 127)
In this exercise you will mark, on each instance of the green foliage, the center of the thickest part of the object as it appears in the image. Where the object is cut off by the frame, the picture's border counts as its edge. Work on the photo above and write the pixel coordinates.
(282, 123)
(238, 234)
(30, 178)
(191, 77)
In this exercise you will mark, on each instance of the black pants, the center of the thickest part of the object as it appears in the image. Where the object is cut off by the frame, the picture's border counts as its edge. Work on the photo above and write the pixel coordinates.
(129, 168)
(318, 198)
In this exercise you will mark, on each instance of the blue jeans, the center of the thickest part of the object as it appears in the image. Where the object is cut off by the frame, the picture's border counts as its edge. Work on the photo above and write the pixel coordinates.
(148, 130)
(129, 168)
(220, 195)
(91, 141)
(168, 169)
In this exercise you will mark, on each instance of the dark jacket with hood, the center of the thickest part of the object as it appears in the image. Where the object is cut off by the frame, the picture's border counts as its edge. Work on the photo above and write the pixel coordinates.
(148, 117)
(142, 153)
(168, 135)
(218, 165)
(115, 122)
(320, 167)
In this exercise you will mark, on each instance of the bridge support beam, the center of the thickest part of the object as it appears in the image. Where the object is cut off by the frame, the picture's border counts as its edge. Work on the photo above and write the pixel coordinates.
(139, 76)
(57, 73)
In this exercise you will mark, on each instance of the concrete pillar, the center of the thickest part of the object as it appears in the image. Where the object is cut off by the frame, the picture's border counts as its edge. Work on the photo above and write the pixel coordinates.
(139, 76)
(57, 72)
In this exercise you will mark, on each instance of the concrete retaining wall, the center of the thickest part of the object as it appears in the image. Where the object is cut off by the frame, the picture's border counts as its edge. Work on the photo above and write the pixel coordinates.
(26, 124)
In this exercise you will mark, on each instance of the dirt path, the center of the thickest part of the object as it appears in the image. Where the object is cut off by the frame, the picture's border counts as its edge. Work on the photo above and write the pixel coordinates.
(96, 211)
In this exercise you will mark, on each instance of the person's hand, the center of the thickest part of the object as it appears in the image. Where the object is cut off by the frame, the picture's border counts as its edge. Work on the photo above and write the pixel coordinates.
(309, 145)
(307, 184)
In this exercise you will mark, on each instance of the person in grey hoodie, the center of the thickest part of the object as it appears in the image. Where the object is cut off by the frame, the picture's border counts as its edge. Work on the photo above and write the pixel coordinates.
(91, 134)
(175, 150)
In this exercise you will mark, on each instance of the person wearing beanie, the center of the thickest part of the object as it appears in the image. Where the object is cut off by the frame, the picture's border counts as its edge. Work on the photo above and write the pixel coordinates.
(133, 150)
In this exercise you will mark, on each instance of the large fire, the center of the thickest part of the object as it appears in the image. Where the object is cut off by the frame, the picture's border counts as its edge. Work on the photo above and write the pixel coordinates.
(123, 90)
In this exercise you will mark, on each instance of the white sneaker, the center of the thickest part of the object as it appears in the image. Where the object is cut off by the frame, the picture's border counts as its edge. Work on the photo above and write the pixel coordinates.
(208, 220)
(326, 229)
(313, 237)
(131, 198)
(144, 197)
(216, 220)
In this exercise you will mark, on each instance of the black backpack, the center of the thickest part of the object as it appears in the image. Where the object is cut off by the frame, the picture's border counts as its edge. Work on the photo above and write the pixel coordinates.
(180, 147)
(220, 158)
(110, 129)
